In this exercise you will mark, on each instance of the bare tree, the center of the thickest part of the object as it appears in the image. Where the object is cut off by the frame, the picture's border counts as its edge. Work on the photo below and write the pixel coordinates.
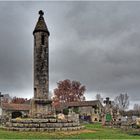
(122, 101)
(98, 97)
(136, 107)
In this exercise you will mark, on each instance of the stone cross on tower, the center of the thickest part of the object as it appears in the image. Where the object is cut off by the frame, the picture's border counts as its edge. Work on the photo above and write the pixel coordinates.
(41, 34)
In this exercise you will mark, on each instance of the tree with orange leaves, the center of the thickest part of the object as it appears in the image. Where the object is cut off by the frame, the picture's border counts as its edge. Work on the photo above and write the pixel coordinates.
(17, 100)
(68, 91)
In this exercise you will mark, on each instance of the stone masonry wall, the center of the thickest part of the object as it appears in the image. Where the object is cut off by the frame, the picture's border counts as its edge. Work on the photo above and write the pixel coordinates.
(41, 66)
(42, 125)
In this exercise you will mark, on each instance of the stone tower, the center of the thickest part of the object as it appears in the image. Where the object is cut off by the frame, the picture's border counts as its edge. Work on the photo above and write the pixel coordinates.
(41, 104)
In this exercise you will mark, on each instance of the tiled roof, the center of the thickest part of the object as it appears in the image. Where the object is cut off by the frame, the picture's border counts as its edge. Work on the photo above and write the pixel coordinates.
(130, 113)
(82, 103)
(11, 106)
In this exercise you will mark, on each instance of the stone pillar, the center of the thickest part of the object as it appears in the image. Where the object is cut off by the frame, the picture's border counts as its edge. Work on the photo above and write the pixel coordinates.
(40, 103)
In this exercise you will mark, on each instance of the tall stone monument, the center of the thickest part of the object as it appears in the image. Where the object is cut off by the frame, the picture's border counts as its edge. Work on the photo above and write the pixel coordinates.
(42, 117)
(41, 105)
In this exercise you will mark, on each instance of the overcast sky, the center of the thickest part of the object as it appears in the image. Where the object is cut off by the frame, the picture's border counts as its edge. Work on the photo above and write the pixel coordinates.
(96, 43)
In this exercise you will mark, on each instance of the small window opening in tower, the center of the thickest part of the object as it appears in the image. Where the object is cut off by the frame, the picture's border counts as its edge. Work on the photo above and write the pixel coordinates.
(43, 40)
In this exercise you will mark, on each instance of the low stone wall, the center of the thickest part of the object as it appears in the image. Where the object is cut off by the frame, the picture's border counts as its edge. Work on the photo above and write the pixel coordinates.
(42, 125)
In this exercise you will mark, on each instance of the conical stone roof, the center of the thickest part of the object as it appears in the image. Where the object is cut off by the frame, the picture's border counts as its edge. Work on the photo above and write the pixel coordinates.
(41, 25)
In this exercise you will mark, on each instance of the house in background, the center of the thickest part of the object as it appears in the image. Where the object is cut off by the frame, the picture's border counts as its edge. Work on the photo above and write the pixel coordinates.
(11, 110)
(88, 110)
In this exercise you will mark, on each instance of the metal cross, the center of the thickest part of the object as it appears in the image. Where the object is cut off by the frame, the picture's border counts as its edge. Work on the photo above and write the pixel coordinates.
(107, 101)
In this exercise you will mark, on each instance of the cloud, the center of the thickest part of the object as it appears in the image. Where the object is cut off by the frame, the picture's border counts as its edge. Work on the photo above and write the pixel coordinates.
(102, 47)
(96, 43)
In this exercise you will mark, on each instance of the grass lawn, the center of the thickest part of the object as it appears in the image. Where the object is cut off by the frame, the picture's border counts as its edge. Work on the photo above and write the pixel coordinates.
(91, 131)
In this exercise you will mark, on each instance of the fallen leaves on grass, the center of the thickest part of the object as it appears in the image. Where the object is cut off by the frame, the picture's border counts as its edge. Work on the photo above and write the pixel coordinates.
(77, 132)
(67, 134)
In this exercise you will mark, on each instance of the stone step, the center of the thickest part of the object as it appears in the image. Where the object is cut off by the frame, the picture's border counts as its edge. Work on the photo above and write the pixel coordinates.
(43, 125)
(45, 129)
(40, 121)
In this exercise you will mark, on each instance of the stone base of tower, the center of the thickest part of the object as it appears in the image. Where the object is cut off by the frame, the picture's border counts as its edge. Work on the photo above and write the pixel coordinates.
(50, 125)
(41, 108)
